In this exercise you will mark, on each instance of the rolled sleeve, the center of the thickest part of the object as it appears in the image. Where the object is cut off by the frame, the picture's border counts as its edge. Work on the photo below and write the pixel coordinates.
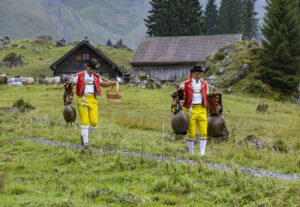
(75, 80)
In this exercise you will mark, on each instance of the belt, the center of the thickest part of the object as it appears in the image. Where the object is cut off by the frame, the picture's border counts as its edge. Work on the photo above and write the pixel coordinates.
(197, 91)
(89, 83)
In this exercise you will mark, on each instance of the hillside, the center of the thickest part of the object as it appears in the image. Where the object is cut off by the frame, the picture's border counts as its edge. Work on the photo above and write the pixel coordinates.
(38, 56)
(74, 19)
(236, 68)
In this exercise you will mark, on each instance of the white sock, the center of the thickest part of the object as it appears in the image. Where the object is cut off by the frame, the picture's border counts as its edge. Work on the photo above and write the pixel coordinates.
(190, 145)
(202, 146)
(85, 134)
(91, 129)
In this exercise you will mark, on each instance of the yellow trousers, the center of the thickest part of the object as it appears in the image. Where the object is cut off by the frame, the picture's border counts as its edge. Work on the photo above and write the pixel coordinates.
(198, 117)
(88, 110)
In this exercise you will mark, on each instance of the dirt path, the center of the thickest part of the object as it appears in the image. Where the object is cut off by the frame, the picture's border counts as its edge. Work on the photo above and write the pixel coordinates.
(257, 173)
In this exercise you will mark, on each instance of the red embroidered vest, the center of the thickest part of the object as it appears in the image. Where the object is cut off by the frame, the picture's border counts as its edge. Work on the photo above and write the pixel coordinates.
(81, 84)
(188, 90)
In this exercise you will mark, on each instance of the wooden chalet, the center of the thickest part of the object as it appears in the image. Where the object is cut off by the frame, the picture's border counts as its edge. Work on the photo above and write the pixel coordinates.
(171, 58)
(75, 61)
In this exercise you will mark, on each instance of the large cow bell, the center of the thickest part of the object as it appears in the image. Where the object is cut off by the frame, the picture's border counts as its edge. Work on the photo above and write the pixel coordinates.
(216, 126)
(69, 113)
(180, 123)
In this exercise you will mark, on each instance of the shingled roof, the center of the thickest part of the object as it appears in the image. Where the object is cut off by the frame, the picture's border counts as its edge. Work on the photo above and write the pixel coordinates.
(178, 50)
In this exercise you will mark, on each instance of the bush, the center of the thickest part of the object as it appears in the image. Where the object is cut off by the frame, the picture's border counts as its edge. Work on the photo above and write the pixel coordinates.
(22, 106)
(219, 56)
(256, 87)
(280, 146)
(10, 56)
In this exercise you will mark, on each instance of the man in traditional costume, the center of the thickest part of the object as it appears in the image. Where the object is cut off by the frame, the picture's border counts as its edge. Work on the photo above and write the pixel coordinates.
(194, 100)
(87, 88)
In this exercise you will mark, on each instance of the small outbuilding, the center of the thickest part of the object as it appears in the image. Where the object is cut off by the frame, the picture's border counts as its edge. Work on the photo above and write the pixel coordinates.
(75, 61)
(171, 58)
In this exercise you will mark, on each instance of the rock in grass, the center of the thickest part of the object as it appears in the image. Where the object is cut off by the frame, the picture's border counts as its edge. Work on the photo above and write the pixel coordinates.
(279, 146)
(262, 108)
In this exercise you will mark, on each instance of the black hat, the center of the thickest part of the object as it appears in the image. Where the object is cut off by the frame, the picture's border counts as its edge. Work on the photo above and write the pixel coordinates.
(93, 63)
(197, 68)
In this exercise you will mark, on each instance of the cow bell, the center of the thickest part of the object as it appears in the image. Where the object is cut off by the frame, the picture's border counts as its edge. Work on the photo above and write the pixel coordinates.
(215, 126)
(180, 123)
(69, 113)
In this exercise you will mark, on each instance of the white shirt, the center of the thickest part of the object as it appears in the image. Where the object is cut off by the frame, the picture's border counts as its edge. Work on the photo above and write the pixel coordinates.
(197, 97)
(89, 89)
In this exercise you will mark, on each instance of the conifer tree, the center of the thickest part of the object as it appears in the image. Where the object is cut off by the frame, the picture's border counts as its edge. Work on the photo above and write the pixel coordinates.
(109, 43)
(175, 18)
(281, 58)
(230, 16)
(212, 17)
(248, 20)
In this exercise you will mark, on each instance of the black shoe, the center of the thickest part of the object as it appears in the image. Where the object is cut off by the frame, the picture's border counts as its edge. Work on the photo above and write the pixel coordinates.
(85, 146)
(82, 143)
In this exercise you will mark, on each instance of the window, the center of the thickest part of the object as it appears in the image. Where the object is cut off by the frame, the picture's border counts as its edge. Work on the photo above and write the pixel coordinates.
(85, 56)
(78, 57)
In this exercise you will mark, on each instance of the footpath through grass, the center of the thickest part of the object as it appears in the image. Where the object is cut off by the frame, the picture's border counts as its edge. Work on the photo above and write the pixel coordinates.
(38, 175)
(136, 125)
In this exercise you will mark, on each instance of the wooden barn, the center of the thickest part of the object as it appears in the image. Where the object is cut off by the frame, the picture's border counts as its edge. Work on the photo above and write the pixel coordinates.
(171, 58)
(75, 61)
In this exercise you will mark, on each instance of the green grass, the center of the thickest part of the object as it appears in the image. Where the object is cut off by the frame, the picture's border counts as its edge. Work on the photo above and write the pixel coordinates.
(38, 63)
(41, 175)
(136, 125)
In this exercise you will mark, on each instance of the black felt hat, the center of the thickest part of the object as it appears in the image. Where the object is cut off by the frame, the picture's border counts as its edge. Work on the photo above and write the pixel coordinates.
(93, 63)
(197, 68)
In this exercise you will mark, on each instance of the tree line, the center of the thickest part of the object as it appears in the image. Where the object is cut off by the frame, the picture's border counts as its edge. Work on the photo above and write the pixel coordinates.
(280, 58)
(187, 17)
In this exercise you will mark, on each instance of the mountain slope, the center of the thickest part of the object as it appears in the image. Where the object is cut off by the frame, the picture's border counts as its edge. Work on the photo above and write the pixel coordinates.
(74, 19)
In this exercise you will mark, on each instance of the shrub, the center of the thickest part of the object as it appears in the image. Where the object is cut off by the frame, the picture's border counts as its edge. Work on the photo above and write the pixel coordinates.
(280, 146)
(256, 87)
(10, 56)
(22, 106)
(219, 56)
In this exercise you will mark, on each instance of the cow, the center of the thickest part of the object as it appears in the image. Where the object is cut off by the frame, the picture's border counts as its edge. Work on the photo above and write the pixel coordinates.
(51, 81)
(28, 81)
(3, 79)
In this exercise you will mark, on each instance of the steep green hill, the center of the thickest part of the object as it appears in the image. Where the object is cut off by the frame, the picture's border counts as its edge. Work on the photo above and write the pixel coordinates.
(236, 68)
(37, 57)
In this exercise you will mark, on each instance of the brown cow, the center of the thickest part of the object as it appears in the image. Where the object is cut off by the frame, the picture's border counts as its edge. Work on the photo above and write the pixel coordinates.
(3, 79)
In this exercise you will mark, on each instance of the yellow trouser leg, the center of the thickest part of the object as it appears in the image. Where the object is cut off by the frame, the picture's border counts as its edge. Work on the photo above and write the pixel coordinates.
(202, 121)
(89, 112)
(198, 117)
(93, 111)
(83, 113)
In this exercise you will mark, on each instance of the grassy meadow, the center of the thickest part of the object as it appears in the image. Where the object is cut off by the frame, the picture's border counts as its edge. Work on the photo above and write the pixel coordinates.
(38, 56)
(57, 176)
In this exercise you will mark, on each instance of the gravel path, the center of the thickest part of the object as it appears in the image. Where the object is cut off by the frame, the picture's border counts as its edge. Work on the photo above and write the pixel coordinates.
(257, 173)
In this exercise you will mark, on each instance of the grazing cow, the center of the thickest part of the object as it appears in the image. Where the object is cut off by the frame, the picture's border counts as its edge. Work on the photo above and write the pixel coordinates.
(57, 80)
(3, 79)
(28, 81)
(51, 81)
